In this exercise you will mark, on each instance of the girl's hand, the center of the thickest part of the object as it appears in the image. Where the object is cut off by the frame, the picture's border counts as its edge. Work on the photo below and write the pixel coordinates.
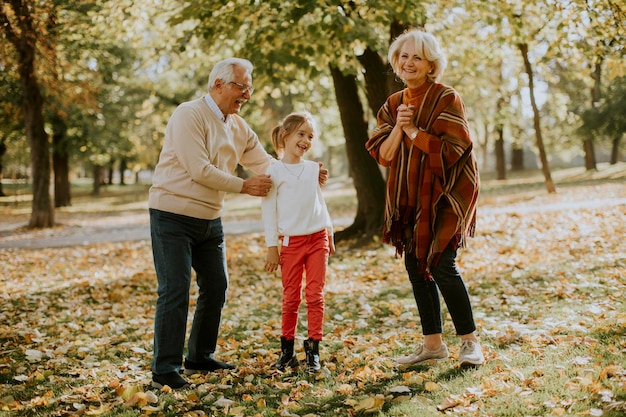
(272, 261)
(323, 175)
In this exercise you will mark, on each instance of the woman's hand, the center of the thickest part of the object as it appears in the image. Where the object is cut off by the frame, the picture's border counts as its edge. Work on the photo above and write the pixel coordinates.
(404, 125)
(405, 116)
(405, 120)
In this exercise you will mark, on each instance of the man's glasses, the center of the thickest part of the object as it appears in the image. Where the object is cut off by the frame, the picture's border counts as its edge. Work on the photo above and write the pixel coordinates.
(245, 88)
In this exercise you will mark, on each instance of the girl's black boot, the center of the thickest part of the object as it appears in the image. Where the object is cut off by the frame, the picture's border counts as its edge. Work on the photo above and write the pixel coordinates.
(287, 357)
(312, 350)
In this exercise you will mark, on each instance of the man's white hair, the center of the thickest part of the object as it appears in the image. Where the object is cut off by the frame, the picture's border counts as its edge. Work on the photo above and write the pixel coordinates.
(225, 70)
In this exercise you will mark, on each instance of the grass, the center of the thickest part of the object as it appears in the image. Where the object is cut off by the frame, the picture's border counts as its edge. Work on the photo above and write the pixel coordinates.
(545, 273)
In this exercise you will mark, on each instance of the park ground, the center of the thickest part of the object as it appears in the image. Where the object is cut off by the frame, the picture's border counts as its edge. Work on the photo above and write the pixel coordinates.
(546, 273)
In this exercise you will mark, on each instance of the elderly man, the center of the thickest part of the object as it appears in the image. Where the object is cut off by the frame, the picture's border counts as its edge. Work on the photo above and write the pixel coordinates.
(205, 139)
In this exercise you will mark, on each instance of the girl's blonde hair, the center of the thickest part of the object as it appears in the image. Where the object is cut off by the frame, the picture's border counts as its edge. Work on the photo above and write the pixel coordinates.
(289, 125)
(428, 48)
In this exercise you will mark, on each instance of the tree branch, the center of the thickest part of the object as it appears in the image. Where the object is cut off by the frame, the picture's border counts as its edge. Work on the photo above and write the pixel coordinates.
(7, 28)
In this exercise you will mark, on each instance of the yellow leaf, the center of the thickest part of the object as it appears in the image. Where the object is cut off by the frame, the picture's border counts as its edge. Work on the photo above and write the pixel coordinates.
(399, 389)
(151, 408)
(98, 411)
(370, 404)
(448, 403)
(237, 411)
(138, 399)
(365, 404)
(488, 383)
(413, 378)
(127, 392)
(8, 400)
(223, 402)
(151, 397)
(350, 402)
(345, 389)
(431, 386)
(609, 372)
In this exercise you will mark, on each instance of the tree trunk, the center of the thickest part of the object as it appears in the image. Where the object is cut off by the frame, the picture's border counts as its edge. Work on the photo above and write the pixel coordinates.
(499, 145)
(588, 145)
(97, 179)
(25, 42)
(368, 181)
(517, 158)
(545, 167)
(62, 189)
(60, 163)
(42, 214)
(590, 155)
(518, 142)
(614, 150)
(3, 150)
(500, 156)
(122, 170)
(484, 148)
(110, 172)
(379, 80)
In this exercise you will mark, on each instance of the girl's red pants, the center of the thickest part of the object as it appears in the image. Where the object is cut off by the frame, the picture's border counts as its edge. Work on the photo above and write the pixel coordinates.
(304, 257)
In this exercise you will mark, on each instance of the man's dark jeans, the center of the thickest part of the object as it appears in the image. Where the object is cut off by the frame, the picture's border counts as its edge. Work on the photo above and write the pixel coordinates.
(180, 243)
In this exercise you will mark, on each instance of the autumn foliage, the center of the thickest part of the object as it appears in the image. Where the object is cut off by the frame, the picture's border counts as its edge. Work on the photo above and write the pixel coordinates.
(546, 274)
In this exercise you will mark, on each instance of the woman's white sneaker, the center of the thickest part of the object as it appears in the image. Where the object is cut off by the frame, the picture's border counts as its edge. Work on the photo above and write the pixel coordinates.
(423, 354)
(471, 354)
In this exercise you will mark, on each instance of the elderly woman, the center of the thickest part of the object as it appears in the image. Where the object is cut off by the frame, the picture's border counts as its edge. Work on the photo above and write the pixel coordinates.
(432, 189)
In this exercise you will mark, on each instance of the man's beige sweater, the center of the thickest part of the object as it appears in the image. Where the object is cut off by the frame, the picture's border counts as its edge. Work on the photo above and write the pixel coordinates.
(199, 156)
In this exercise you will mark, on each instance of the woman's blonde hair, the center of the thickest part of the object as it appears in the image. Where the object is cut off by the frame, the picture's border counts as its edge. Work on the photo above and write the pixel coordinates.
(287, 126)
(427, 47)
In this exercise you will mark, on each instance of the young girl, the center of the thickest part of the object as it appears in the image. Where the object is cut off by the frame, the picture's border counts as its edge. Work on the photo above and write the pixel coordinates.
(298, 234)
